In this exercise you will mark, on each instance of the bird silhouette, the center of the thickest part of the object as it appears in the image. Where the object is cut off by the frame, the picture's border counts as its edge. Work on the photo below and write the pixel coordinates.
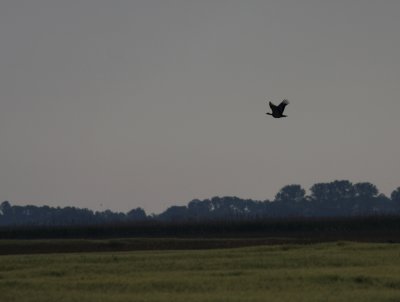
(277, 111)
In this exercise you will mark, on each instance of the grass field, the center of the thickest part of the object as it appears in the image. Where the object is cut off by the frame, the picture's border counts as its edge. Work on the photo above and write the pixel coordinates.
(339, 271)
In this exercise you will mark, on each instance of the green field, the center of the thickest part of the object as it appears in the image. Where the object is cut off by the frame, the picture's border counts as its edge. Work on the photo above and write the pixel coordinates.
(339, 271)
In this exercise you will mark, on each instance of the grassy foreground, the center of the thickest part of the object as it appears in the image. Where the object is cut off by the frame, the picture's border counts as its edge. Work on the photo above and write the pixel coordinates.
(319, 272)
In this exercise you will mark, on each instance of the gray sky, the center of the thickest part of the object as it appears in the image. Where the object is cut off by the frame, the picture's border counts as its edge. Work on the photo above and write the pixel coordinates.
(121, 104)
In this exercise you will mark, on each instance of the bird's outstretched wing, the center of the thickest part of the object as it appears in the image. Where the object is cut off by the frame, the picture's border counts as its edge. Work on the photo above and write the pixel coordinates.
(272, 106)
(282, 106)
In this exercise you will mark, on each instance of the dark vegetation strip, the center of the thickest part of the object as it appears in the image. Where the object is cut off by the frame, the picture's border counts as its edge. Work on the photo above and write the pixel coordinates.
(10, 247)
(351, 227)
(289, 227)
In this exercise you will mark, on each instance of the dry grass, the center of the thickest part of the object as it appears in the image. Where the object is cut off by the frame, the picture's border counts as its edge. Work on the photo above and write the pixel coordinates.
(320, 272)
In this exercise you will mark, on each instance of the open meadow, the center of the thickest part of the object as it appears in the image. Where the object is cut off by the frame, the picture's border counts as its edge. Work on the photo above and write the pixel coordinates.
(336, 271)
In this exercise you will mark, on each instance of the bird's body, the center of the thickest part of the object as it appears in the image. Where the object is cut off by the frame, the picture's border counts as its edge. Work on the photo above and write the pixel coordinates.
(277, 111)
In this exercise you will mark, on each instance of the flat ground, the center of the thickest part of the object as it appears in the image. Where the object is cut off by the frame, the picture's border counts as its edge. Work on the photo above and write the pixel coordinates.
(340, 271)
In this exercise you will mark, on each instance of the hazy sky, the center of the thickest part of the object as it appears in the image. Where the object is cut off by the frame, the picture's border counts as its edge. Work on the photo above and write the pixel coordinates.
(125, 104)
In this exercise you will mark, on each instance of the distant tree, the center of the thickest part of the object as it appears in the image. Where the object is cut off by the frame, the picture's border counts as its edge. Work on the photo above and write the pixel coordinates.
(174, 213)
(395, 196)
(333, 191)
(5, 208)
(137, 214)
(200, 209)
(332, 199)
(319, 192)
(365, 190)
(342, 189)
(290, 193)
(385, 205)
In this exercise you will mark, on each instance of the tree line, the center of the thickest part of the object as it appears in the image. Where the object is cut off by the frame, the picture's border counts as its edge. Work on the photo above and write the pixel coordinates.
(339, 198)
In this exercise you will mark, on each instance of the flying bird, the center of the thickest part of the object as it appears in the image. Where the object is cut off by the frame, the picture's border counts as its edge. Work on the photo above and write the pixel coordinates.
(277, 111)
